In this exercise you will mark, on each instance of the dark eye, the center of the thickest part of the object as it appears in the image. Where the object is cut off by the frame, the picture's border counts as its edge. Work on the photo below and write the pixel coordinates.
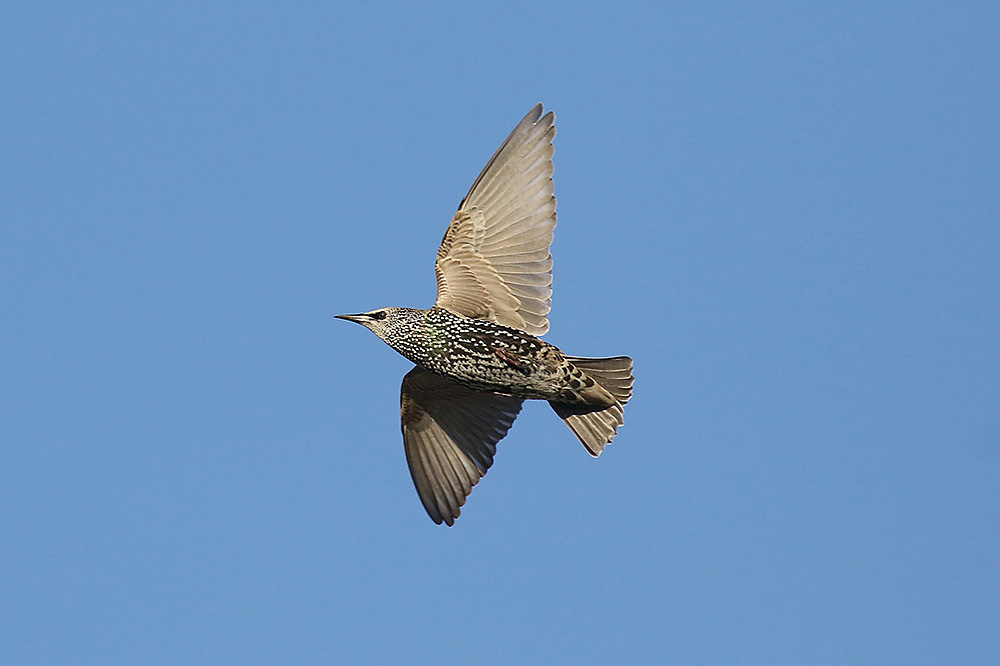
(380, 315)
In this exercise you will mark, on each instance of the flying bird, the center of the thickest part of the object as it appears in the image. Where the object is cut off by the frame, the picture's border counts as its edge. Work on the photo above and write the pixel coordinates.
(477, 351)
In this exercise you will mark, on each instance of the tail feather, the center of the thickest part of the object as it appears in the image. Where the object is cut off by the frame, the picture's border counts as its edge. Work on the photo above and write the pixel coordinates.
(614, 374)
(594, 426)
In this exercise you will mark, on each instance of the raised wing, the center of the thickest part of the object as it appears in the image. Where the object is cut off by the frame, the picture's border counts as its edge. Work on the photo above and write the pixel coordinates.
(494, 262)
(450, 434)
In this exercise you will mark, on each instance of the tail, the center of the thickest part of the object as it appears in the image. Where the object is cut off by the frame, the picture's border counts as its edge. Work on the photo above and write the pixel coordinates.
(596, 426)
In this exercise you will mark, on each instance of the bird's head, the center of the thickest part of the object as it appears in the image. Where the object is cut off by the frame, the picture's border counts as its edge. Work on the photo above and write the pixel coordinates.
(382, 322)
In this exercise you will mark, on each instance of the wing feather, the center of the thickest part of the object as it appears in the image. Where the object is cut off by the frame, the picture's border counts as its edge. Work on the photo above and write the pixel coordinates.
(450, 434)
(494, 262)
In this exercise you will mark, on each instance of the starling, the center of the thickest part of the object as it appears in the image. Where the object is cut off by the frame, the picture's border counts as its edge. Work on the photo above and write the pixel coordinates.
(476, 350)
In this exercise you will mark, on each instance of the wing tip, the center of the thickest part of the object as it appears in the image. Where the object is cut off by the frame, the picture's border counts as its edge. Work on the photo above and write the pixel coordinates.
(535, 115)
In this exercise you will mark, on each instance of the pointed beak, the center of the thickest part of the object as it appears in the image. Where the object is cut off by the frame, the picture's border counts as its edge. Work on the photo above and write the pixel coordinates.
(356, 318)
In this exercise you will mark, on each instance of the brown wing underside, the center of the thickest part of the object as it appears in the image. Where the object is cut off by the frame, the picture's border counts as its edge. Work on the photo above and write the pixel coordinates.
(450, 434)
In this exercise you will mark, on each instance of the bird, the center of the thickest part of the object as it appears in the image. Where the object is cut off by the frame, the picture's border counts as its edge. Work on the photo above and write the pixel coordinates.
(477, 352)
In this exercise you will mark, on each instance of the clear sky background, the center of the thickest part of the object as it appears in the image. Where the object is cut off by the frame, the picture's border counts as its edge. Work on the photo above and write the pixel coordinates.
(788, 213)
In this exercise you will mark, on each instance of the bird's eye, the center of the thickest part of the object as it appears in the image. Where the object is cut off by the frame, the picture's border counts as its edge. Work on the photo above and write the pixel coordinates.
(380, 315)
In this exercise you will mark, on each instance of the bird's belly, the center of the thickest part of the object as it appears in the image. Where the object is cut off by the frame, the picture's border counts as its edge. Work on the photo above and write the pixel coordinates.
(528, 377)
(499, 377)
(488, 357)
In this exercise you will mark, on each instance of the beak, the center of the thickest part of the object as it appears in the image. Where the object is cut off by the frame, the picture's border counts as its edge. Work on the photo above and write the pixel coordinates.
(356, 318)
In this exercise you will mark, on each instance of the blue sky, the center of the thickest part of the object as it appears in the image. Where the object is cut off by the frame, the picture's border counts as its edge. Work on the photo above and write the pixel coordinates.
(787, 213)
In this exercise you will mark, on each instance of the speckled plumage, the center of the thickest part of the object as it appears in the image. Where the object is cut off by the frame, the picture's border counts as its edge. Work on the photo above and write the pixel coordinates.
(485, 355)
(476, 351)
